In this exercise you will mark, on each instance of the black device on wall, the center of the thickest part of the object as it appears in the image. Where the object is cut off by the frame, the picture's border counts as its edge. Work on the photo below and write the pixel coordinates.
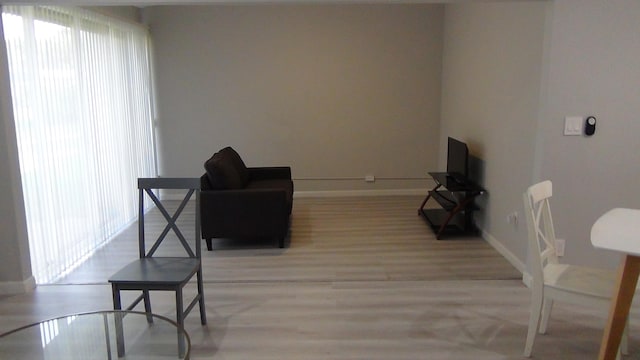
(457, 159)
(590, 126)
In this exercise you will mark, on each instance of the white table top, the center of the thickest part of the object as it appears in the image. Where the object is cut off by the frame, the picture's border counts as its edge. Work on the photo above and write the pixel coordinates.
(618, 230)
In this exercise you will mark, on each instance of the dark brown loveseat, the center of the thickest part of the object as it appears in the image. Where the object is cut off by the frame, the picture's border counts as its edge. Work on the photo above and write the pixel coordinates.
(238, 202)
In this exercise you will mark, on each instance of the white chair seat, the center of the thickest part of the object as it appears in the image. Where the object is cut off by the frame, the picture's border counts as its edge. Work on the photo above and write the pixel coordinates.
(580, 279)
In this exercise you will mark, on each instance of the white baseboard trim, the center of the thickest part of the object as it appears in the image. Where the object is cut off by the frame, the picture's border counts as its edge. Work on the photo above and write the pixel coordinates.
(17, 287)
(511, 257)
(352, 193)
(330, 193)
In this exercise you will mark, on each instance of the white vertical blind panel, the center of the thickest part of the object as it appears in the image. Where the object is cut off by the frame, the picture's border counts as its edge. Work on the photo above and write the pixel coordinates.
(81, 90)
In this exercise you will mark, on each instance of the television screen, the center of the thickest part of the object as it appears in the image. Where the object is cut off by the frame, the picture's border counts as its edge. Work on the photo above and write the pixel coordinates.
(457, 159)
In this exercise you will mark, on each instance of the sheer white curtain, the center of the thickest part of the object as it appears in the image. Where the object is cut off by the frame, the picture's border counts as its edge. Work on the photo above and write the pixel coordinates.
(82, 100)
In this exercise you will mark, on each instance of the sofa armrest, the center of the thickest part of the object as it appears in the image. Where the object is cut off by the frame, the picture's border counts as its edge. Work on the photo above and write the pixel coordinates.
(273, 172)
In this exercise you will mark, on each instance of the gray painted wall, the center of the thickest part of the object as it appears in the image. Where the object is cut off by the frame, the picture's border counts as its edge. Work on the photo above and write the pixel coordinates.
(336, 92)
(490, 98)
(512, 72)
(592, 69)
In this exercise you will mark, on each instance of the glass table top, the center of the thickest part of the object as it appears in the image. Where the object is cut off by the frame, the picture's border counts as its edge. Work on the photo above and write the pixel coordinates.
(98, 335)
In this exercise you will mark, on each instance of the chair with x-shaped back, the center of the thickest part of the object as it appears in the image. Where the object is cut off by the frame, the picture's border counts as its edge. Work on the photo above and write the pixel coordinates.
(551, 280)
(168, 273)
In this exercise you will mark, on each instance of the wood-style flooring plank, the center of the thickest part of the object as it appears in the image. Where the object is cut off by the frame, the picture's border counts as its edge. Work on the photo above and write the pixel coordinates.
(331, 239)
(362, 278)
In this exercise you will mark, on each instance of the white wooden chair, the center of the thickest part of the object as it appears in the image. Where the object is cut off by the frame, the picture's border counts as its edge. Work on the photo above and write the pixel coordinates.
(553, 281)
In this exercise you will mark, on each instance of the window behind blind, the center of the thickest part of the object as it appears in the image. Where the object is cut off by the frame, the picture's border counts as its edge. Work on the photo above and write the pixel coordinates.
(83, 109)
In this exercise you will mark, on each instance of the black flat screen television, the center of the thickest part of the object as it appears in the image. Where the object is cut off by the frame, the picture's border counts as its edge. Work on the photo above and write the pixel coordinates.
(457, 159)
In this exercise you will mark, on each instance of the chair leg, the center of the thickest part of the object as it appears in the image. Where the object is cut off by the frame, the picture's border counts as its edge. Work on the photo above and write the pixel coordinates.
(117, 305)
(203, 310)
(115, 293)
(147, 306)
(209, 244)
(180, 322)
(534, 319)
(546, 314)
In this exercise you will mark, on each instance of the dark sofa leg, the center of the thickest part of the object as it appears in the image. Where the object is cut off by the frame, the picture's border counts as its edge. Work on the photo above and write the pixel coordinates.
(209, 246)
(281, 242)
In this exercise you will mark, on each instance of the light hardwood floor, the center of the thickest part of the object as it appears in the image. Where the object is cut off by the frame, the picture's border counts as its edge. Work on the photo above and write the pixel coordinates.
(362, 278)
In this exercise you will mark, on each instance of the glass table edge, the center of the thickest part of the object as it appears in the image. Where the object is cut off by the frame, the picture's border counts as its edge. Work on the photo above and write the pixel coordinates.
(187, 355)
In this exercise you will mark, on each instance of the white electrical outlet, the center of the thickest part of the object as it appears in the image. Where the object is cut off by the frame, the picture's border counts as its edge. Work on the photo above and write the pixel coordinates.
(560, 247)
(369, 178)
(513, 218)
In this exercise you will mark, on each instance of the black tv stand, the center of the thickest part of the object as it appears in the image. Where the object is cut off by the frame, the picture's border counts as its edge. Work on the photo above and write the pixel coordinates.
(454, 196)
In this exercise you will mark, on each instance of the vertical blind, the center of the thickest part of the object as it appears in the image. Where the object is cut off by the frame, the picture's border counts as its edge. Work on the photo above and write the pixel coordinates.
(82, 103)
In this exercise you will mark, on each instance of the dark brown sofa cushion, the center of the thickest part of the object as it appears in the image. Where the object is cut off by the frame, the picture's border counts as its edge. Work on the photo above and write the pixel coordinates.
(223, 171)
(239, 165)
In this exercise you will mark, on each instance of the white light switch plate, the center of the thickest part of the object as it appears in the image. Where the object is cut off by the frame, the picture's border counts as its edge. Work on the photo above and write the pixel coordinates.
(573, 125)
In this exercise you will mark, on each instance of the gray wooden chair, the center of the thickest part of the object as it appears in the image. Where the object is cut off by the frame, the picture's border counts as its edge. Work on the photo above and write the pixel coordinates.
(149, 272)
